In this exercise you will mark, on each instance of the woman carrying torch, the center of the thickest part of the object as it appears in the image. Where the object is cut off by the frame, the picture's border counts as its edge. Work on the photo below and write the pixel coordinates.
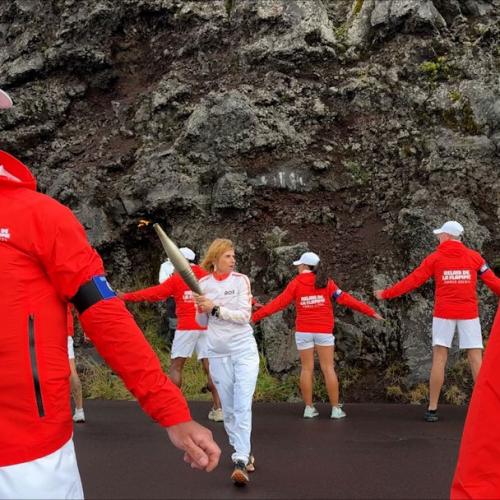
(226, 307)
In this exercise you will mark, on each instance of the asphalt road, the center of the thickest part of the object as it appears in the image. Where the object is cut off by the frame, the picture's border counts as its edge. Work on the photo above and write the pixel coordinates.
(378, 451)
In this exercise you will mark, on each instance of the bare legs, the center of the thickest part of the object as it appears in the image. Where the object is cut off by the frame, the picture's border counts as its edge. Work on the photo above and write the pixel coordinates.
(76, 385)
(326, 361)
(175, 371)
(439, 358)
(175, 374)
(211, 386)
(475, 357)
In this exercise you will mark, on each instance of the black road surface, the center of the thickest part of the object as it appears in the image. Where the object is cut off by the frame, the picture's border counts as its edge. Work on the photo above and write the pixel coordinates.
(378, 451)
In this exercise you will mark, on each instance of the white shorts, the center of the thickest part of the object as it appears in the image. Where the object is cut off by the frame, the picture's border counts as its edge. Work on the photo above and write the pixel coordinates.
(188, 341)
(309, 340)
(71, 350)
(54, 476)
(469, 332)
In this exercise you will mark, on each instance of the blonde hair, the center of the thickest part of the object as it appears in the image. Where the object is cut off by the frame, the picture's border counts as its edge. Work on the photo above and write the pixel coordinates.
(218, 248)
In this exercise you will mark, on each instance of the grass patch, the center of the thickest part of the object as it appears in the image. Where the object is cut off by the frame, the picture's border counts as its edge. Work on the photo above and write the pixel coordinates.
(455, 396)
(395, 393)
(419, 395)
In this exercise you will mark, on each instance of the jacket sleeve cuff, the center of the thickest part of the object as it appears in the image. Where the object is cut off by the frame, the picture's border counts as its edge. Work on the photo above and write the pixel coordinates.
(178, 418)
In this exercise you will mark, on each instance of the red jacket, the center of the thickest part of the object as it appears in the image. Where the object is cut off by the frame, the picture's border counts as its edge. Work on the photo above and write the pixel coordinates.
(44, 259)
(175, 287)
(478, 470)
(454, 268)
(71, 322)
(314, 310)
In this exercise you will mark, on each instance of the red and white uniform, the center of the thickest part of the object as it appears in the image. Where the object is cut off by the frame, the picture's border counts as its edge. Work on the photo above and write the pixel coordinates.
(478, 470)
(454, 268)
(173, 287)
(189, 335)
(44, 259)
(314, 310)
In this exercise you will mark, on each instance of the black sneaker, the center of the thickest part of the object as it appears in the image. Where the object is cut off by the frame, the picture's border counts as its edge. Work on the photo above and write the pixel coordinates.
(431, 416)
(240, 475)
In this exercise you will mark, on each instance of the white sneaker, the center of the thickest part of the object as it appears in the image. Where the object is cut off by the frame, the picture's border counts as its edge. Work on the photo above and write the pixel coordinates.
(310, 412)
(337, 412)
(79, 416)
(216, 415)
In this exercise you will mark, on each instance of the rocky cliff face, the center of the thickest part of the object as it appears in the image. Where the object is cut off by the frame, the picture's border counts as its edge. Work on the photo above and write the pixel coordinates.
(348, 128)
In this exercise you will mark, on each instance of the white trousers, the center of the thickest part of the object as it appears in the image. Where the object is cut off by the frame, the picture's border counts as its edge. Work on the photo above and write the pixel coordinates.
(54, 476)
(235, 379)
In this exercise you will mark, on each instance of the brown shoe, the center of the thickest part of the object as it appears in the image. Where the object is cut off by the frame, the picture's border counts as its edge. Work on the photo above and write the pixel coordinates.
(240, 474)
(251, 464)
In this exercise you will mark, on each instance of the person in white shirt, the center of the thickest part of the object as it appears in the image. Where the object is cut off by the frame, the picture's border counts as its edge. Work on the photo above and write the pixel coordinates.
(166, 270)
(226, 308)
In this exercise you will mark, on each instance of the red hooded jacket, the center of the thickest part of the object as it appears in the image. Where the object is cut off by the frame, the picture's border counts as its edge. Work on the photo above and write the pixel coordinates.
(44, 259)
(455, 269)
(175, 287)
(314, 310)
(478, 470)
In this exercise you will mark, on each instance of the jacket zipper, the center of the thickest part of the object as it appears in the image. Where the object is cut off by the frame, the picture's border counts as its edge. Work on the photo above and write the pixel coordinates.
(34, 366)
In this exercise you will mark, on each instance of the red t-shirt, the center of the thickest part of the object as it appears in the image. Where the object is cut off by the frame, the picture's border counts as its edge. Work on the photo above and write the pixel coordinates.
(314, 310)
(455, 269)
(175, 287)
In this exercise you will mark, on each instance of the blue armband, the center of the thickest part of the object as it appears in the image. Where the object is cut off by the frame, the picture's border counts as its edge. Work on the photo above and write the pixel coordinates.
(336, 294)
(93, 291)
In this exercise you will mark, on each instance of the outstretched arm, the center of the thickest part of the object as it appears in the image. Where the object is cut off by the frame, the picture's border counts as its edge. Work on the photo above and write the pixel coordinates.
(348, 300)
(414, 280)
(155, 293)
(277, 304)
(77, 274)
(489, 278)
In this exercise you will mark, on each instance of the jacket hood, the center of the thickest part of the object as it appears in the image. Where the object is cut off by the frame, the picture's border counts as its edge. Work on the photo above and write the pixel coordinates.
(452, 248)
(14, 173)
(306, 278)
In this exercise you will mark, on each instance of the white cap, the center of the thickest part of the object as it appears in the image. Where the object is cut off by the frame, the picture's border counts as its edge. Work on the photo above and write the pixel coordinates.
(5, 100)
(451, 227)
(188, 253)
(308, 258)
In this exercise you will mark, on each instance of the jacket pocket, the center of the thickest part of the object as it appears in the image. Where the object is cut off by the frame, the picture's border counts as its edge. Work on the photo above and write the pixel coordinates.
(34, 365)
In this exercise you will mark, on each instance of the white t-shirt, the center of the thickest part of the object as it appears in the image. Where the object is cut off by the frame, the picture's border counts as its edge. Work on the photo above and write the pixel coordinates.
(166, 270)
(230, 334)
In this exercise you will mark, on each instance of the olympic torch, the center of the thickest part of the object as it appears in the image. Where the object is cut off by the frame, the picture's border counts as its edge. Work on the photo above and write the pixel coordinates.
(178, 260)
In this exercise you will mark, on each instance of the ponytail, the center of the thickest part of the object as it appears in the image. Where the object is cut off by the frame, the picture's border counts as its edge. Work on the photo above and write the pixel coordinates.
(321, 275)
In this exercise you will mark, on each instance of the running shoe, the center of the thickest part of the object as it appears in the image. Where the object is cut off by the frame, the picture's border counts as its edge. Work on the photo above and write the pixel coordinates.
(310, 412)
(240, 475)
(216, 415)
(337, 412)
(431, 416)
(79, 416)
(251, 464)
